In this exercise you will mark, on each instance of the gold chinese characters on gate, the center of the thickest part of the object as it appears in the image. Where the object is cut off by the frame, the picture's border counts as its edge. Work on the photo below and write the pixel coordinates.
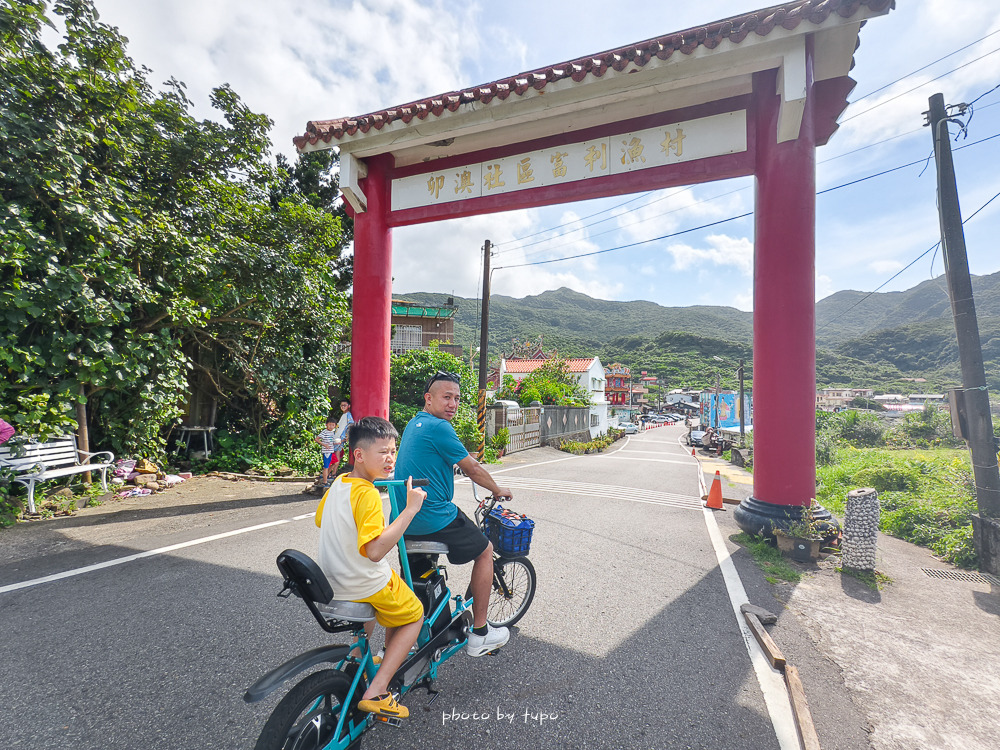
(646, 149)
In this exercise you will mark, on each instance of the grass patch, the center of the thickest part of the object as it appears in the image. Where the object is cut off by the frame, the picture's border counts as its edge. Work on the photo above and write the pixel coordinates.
(926, 496)
(768, 558)
(874, 580)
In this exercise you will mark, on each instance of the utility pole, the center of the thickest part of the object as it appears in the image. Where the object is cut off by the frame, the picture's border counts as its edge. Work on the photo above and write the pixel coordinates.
(484, 332)
(982, 445)
(718, 386)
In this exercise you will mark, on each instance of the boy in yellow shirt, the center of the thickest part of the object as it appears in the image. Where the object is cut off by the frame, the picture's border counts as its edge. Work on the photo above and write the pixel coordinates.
(353, 543)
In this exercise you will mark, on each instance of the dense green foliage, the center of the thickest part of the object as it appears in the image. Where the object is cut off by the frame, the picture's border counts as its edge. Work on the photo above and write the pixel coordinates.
(408, 376)
(145, 251)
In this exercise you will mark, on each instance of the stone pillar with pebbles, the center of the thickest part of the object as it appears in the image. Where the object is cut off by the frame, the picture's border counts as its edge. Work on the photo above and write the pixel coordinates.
(860, 540)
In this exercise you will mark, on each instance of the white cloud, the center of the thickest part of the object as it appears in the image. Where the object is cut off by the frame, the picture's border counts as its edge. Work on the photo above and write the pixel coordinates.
(885, 266)
(722, 250)
(305, 61)
(671, 209)
(899, 109)
(445, 257)
(744, 301)
(824, 286)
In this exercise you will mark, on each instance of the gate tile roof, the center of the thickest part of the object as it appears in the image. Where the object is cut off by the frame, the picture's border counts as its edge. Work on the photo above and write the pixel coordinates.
(530, 365)
(735, 30)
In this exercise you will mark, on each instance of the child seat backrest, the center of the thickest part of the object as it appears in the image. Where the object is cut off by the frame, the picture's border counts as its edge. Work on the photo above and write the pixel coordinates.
(304, 577)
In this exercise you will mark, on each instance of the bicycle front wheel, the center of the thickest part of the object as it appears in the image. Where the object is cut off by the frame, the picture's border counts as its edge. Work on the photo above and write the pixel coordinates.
(513, 589)
(306, 718)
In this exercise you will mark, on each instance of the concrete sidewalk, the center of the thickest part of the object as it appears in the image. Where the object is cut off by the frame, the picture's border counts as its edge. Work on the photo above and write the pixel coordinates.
(918, 659)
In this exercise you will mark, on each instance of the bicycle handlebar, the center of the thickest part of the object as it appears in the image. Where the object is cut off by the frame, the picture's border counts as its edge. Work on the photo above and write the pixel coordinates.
(401, 482)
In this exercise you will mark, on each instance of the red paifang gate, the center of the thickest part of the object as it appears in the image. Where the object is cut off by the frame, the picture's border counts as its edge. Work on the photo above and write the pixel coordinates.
(749, 95)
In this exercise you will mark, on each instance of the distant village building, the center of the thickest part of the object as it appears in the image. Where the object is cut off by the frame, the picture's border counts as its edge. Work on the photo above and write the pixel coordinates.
(935, 399)
(834, 399)
(896, 402)
(415, 326)
(589, 373)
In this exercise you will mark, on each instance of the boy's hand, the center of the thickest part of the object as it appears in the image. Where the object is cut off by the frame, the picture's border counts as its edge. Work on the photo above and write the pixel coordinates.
(414, 496)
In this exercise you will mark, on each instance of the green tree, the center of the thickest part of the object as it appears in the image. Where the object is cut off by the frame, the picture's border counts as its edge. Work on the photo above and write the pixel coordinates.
(408, 376)
(143, 248)
(551, 384)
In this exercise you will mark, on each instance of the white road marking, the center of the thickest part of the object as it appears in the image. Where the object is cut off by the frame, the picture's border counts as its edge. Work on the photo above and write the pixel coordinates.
(653, 460)
(655, 453)
(613, 492)
(140, 555)
(772, 683)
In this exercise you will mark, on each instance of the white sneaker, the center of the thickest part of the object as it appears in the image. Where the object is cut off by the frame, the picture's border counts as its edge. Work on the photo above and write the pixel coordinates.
(480, 645)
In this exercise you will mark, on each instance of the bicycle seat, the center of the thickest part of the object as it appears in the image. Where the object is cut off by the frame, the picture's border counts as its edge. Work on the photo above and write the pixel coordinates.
(421, 547)
(347, 610)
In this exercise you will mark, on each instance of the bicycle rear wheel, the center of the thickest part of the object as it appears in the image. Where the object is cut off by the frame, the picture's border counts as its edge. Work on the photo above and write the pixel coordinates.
(306, 718)
(512, 592)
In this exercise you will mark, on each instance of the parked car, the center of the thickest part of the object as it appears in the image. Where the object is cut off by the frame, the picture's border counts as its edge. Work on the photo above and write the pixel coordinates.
(630, 428)
(695, 437)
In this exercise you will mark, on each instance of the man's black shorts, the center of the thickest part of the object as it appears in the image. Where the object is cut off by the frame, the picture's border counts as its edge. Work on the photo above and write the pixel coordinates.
(465, 540)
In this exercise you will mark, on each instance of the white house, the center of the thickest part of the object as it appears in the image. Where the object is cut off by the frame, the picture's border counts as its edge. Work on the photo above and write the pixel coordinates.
(589, 373)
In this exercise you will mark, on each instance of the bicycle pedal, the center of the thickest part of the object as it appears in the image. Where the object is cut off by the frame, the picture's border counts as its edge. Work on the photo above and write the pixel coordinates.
(391, 721)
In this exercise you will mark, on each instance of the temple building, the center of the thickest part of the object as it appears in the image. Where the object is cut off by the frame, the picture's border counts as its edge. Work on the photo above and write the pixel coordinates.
(618, 384)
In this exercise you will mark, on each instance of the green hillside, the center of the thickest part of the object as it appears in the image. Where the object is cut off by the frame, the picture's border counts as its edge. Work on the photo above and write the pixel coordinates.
(881, 342)
(848, 315)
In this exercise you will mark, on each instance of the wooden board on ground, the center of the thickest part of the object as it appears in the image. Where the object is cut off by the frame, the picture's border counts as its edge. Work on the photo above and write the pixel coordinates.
(800, 707)
(771, 649)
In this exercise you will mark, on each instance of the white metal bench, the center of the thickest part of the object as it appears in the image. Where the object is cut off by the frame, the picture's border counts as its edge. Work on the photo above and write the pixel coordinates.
(57, 457)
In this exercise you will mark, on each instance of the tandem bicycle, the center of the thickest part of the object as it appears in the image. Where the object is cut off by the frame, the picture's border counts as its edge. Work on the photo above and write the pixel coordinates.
(320, 711)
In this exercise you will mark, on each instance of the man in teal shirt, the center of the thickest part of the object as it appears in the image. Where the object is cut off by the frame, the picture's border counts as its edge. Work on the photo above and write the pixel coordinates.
(430, 449)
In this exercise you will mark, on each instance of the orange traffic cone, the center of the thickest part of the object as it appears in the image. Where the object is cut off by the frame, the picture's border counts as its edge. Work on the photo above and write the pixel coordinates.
(692, 452)
(715, 494)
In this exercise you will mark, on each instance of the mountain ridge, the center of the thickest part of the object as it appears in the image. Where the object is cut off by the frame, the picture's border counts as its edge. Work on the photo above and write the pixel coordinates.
(862, 338)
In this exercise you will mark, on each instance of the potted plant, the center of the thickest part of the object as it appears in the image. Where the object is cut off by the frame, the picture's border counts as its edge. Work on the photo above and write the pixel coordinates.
(802, 538)
(500, 441)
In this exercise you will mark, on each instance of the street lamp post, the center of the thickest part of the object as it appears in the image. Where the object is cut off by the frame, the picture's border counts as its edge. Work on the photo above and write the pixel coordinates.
(739, 373)
(742, 420)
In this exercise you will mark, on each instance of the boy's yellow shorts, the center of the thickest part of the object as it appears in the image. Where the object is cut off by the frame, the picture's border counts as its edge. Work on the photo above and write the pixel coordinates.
(396, 604)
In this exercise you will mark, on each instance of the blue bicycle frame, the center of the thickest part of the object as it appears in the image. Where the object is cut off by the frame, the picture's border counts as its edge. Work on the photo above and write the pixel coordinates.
(443, 634)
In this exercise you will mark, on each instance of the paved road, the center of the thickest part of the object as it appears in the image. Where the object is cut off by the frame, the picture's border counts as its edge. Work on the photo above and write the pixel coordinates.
(631, 641)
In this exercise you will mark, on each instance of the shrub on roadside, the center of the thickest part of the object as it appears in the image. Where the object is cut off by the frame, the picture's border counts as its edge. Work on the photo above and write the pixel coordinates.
(927, 497)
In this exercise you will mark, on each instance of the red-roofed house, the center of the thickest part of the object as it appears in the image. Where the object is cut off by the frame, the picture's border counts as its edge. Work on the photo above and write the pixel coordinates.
(589, 372)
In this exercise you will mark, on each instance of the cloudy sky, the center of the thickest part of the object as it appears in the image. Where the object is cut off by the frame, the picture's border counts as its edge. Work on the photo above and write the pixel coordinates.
(329, 58)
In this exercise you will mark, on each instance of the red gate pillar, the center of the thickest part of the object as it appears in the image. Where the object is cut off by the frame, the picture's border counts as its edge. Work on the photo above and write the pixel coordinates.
(372, 305)
(784, 327)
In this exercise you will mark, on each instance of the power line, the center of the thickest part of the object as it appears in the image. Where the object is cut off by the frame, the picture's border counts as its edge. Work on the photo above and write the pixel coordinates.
(909, 91)
(634, 223)
(904, 268)
(585, 226)
(870, 93)
(634, 244)
(928, 65)
(735, 218)
(566, 224)
(739, 190)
